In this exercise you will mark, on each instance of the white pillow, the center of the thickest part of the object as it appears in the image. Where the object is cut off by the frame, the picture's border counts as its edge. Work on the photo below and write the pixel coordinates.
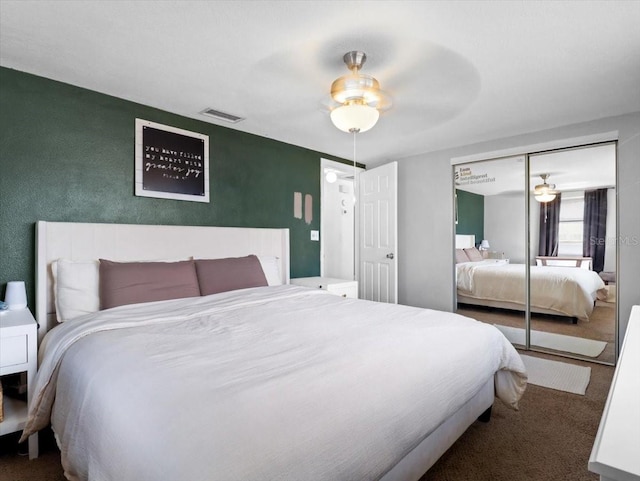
(271, 270)
(75, 287)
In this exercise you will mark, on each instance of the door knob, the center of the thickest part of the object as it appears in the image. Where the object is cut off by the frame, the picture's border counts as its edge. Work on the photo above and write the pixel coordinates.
(390, 256)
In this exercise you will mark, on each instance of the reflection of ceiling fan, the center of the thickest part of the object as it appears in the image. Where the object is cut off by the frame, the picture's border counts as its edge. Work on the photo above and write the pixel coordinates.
(545, 192)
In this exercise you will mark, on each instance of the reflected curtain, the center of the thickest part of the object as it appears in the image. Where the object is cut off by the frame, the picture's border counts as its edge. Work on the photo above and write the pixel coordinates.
(595, 227)
(549, 226)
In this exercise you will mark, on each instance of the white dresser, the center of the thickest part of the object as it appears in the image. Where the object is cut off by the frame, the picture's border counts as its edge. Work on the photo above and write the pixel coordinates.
(339, 287)
(616, 450)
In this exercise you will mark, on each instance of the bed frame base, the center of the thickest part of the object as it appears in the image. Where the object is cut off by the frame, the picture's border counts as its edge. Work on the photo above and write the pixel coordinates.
(511, 306)
(413, 466)
(485, 417)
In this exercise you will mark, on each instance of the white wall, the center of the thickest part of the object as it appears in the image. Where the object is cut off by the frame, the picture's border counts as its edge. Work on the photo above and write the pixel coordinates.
(504, 225)
(425, 213)
(425, 232)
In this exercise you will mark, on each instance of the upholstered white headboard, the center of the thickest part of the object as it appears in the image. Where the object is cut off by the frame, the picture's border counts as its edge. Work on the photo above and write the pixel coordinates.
(131, 242)
(464, 241)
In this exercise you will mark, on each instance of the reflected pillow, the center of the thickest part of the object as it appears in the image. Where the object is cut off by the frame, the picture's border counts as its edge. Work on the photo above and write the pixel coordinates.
(461, 256)
(473, 254)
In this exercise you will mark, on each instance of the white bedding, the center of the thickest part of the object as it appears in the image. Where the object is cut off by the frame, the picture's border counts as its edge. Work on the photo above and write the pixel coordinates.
(260, 384)
(565, 290)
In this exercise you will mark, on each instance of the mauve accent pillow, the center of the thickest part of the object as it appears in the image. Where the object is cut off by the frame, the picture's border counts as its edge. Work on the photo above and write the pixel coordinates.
(221, 275)
(461, 256)
(134, 282)
(473, 254)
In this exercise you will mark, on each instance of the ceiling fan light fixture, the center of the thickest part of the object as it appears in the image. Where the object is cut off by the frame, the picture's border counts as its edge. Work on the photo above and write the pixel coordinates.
(354, 117)
(357, 86)
(545, 197)
(358, 97)
(544, 192)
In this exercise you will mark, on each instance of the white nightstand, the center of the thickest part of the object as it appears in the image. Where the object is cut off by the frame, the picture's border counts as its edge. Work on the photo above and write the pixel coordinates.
(18, 353)
(339, 287)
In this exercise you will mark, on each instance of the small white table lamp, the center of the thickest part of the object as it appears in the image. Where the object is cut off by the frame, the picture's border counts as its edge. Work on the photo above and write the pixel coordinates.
(16, 295)
(484, 245)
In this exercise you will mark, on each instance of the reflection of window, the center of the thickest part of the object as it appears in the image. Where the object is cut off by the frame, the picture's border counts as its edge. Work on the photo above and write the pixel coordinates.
(571, 222)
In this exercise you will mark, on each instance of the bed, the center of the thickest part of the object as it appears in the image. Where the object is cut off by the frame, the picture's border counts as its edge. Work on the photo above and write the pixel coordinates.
(557, 290)
(263, 382)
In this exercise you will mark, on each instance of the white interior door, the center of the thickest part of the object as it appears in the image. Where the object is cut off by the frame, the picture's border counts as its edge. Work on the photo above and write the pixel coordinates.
(378, 232)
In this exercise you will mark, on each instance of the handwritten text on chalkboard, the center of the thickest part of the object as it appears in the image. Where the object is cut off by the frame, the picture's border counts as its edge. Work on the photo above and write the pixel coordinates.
(173, 163)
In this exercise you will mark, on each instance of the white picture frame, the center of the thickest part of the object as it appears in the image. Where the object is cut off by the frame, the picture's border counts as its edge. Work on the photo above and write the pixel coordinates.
(171, 163)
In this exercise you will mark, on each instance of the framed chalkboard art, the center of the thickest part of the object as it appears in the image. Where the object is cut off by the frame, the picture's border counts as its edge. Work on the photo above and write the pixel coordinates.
(171, 163)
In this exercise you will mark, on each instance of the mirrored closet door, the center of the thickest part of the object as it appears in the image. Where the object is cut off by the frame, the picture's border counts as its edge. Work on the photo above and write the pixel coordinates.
(491, 244)
(572, 218)
(535, 249)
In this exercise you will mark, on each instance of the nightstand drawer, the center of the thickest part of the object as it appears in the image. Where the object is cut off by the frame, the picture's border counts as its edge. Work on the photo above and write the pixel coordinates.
(339, 287)
(346, 290)
(13, 350)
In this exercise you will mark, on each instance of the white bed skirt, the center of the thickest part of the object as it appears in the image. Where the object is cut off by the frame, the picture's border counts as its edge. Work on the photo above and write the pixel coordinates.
(413, 466)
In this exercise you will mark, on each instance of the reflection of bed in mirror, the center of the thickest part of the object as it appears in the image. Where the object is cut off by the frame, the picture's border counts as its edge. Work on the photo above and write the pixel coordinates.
(556, 290)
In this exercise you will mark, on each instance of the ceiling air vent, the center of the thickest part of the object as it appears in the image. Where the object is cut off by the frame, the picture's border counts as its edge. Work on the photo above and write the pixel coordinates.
(217, 114)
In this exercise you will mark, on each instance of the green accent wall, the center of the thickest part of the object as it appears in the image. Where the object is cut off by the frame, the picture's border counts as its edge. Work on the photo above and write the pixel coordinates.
(470, 214)
(67, 154)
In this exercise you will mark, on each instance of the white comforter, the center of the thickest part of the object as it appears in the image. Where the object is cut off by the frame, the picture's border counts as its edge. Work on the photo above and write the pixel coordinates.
(259, 384)
(567, 290)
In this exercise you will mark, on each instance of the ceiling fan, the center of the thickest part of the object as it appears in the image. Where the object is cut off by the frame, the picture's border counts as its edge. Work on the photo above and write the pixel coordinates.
(545, 192)
(356, 98)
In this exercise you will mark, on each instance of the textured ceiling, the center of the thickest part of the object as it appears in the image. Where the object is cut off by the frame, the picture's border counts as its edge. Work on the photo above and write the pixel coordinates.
(458, 72)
